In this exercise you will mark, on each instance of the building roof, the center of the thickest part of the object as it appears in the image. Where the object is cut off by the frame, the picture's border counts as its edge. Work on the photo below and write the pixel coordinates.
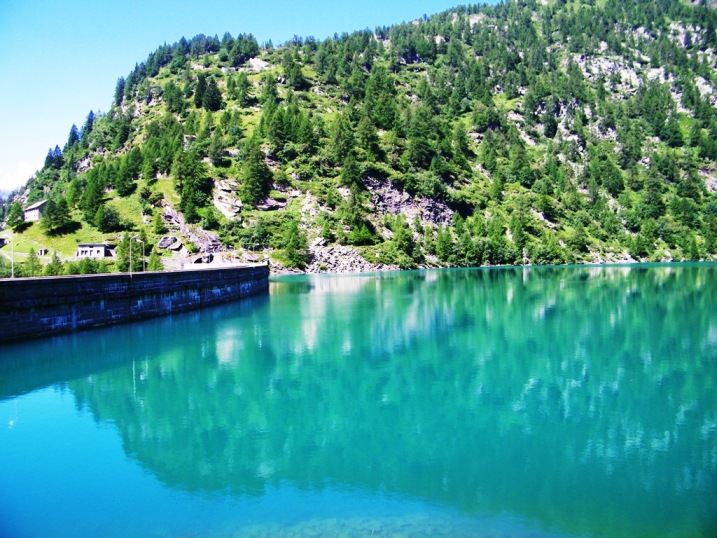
(36, 205)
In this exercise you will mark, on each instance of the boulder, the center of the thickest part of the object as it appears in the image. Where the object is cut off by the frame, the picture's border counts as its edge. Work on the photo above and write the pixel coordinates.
(168, 241)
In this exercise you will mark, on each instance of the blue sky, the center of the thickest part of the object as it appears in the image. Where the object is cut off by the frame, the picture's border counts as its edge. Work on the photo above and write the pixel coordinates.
(59, 60)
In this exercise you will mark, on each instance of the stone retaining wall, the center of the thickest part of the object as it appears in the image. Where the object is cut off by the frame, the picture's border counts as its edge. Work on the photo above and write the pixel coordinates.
(32, 307)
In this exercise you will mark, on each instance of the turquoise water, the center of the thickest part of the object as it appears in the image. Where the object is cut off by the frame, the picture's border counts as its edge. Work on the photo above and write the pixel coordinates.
(504, 402)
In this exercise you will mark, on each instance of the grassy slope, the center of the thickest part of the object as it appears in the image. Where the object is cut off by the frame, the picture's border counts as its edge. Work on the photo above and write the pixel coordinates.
(474, 189)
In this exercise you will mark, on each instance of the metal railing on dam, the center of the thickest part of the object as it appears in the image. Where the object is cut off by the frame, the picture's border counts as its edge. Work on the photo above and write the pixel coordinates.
(35, 307)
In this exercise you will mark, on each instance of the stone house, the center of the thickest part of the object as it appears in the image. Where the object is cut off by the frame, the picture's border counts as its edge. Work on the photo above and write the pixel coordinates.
(35, 211)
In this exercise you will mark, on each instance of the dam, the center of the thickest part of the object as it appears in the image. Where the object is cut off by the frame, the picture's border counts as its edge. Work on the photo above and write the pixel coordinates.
(43, 306)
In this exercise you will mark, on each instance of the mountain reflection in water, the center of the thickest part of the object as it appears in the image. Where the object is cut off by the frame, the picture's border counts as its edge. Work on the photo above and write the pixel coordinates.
(583, 399)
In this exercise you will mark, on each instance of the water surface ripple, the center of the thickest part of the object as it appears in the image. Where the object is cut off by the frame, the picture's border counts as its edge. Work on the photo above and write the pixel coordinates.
(576, 401)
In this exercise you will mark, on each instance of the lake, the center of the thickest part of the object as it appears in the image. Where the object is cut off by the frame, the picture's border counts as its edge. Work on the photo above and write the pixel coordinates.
(540, 402)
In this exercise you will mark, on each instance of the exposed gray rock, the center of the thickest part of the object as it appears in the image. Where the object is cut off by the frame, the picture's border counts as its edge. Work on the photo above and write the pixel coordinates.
(388, 199)
(342, 259)
(167, 241)
(202, 258)
(224, 198)
(710, 179)
(270, 205)
(204, 240)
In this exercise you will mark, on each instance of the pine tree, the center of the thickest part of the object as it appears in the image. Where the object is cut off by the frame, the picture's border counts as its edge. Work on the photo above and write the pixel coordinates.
(73, 138)
(16, 217)
(119, 91)
(351, 172)
(200, 90)
(420, 131)
(255, 176)
(87, 128)
(192, 181)
(242, 92)
(56, 217)
(124, 256)
(158, 226)
(444, 244)
(294, 77)
(212, 97)
(269, 92)
(235, 129)
(107, 219)
(54, 268)
(342, 138)
(672, 134)
(32, 265)
(216, 149)
(155, 262)
(296, 250)
(92, 196)
(54, 158)
(174, 98)
(367, 139)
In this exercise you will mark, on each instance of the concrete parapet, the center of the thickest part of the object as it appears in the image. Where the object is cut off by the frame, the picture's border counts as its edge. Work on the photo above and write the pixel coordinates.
(33, 307)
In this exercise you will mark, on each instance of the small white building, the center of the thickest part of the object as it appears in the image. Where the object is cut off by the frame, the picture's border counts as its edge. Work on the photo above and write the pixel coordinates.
(34, 212)
(94, 250)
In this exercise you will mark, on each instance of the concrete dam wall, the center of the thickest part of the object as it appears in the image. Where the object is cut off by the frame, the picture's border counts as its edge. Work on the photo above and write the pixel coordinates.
(33, 307)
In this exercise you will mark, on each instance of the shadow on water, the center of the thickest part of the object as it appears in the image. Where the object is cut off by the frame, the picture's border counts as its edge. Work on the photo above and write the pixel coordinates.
(580, 398)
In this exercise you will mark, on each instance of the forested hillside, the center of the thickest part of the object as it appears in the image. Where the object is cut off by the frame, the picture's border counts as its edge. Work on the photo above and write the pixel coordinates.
(524, 132)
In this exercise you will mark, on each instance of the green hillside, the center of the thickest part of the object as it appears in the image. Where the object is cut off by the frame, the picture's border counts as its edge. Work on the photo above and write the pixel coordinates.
(525, 132)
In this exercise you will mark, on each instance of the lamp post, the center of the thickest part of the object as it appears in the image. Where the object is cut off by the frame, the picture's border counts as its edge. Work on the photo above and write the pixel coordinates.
(12, 256)
(140, 241)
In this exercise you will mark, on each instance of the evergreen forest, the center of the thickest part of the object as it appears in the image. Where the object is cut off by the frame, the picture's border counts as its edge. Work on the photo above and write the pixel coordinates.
(524, 132)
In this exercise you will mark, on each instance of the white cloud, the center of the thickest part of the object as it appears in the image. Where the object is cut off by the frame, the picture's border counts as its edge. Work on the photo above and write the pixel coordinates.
(14, 175)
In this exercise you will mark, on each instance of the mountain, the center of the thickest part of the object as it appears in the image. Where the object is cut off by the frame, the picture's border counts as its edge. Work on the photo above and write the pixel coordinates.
(524, 132)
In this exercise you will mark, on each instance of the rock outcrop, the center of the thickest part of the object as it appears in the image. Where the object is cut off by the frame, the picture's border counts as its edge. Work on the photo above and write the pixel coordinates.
(388, 199)
(342, 259)
(204, 240)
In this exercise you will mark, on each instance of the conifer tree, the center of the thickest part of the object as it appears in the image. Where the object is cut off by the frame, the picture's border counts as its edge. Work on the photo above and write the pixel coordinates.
(56, 216)
(242, 90)
(119, 91)
(200, 90)
(216, 149)
(212, 97)
(155, 262)
(235, 129)
(255, 176)
(158, 226)
(16, 217)
(87, 128)
(73, 138)
(32, 265)
(54, 268)
(351, 172)
(269, 93)
(174, 98)
(91, 197)
(296, 249)
(367, 139)
(107, 219)
(342, 138)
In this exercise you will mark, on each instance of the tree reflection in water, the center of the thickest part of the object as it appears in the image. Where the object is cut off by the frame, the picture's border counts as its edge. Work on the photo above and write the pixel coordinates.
(581, 398)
